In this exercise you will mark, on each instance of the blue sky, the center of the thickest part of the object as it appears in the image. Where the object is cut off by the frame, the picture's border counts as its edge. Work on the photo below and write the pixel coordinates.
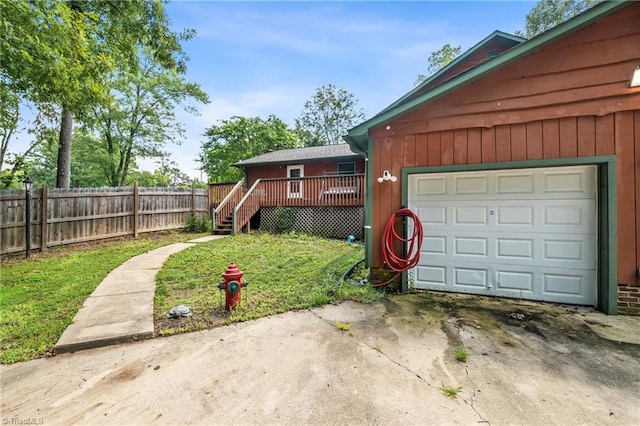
(261, 58)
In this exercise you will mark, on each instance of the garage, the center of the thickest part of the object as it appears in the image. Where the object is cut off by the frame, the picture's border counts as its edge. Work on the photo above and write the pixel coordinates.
(521, 233)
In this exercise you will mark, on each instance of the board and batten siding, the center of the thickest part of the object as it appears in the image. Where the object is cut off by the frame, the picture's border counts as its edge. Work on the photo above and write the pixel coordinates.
(614, 134)
(569, 100)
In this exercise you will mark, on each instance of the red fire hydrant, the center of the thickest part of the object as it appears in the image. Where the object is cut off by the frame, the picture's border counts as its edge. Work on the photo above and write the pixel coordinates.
(232, 285)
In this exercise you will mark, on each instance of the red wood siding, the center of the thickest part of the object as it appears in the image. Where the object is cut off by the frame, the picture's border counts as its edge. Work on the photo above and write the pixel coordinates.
(310, 169)
(614, 134)
(570, 99)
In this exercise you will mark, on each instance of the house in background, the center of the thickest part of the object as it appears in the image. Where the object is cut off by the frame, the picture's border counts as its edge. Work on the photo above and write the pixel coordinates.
(317, 190)
(524, 169)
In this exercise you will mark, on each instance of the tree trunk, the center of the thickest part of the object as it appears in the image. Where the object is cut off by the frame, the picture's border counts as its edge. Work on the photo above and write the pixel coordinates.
(63, 179)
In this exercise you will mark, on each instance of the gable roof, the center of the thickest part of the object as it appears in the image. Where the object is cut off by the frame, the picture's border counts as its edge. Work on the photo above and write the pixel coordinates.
(357, 137)
(288, 156)
(497, 39)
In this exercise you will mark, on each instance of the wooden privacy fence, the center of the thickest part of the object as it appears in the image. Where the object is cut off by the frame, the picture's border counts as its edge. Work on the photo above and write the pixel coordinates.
(66, 216)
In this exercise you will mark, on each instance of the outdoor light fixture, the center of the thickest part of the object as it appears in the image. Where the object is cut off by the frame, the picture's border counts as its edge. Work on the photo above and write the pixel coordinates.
(27, 184)
(386, 175)
(635, 78)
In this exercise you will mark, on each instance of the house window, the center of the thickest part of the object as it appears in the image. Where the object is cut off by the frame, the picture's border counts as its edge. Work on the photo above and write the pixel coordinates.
(347, 168)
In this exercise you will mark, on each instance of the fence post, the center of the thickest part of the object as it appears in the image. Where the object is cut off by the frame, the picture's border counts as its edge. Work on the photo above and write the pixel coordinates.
(44, 215)
(193, 199)
(136, 208)
(27, 216)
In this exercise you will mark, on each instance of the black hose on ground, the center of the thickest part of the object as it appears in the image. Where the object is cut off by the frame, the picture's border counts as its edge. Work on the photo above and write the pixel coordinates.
(345, 276)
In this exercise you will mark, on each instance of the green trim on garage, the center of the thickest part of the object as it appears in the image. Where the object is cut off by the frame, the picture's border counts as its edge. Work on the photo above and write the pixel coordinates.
(607, 220)
(368, 206)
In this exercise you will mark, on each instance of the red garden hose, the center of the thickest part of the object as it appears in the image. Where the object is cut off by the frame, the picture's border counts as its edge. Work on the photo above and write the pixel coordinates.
(397, 263)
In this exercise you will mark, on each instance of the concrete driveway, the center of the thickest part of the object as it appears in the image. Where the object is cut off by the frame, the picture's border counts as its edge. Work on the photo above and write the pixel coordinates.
(528, 363)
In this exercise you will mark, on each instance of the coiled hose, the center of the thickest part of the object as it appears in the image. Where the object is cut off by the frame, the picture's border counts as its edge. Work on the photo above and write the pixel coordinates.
(396, 262)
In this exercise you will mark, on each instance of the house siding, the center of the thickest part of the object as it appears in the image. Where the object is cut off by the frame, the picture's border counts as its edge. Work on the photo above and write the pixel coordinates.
(569, 100)
(310, 169)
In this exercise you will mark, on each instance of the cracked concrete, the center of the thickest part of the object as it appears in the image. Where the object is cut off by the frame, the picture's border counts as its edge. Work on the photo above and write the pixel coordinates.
(547, 367)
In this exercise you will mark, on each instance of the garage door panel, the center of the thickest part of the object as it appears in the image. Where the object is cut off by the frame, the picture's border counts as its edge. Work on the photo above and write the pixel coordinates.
(470, 215)
(518, 249)
(434, 245)
(514, 215)
(569, 182)
(431, 277)
(470, 277)
(568, 286)
(509, 280)
(432, 216)
(526, 233)
(470, 246)
(575, 251)
(569, 218)
(514, 183)
(430, 186)
(471, 185)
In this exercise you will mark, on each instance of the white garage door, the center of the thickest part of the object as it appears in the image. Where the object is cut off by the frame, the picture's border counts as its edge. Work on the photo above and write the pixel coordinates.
(527, 233)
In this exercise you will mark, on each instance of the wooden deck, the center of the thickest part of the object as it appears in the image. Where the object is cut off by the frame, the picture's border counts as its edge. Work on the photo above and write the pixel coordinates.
(236, 205)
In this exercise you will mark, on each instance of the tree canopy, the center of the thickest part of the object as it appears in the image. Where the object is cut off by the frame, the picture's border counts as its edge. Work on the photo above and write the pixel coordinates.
(438, 60)
(327, 116)
(240, 138)
(549, 13)
(63, 52)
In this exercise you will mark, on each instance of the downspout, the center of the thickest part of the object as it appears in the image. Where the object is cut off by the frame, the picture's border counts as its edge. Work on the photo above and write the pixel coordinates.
(368, 205)
(366, 152)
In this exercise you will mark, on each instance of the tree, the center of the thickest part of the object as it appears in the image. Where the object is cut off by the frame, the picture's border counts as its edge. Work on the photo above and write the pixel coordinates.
(61, 52)
(240, 138)
(166, 174)
(142, 119)
(86, 161)
(328, 115)
(549, 13)
(438, 60)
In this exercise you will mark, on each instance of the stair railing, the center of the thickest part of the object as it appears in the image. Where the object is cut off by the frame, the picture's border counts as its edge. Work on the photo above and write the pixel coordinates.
(246, 208)
(225, 208)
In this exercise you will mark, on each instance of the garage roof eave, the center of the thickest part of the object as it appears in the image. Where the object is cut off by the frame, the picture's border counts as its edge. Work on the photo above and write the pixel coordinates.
(360, 133)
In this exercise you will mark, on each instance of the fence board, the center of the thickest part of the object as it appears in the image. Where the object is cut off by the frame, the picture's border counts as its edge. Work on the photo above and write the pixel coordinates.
(66, 216)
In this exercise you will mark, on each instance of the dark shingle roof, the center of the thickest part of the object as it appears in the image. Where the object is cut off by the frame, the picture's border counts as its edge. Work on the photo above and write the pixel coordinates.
(300, 154)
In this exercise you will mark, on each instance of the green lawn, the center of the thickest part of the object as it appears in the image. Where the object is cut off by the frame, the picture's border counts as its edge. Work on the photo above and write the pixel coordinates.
(284, 272)
(40, 296)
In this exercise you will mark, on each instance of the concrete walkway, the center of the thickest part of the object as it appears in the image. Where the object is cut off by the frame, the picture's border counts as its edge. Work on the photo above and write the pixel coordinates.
(121, 307)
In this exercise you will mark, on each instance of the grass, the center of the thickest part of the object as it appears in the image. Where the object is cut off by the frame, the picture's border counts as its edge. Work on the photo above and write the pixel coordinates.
(284, 272)
(40, 296)
(450, 392)
(461, 353)
(344, 326)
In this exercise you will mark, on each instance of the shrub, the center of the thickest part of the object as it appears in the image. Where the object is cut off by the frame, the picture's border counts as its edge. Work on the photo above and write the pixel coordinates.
(285, 218)
(197, 224)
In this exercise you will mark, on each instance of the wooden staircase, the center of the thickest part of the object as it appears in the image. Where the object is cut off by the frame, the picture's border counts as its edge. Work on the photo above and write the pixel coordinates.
(224, 226)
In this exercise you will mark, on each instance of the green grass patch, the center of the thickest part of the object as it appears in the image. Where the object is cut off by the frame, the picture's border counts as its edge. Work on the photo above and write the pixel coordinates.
(40, 296)
(461, 353)
(284, 272)
(450, 392)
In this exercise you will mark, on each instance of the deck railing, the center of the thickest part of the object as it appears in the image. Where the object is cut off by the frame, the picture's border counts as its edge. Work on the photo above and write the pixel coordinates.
(334, 190)
(246, 208)
(315, 191)
(225, 208)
